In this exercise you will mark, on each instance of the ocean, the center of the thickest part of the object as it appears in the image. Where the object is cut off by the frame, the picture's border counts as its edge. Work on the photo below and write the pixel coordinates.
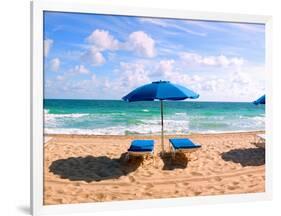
(114, 117)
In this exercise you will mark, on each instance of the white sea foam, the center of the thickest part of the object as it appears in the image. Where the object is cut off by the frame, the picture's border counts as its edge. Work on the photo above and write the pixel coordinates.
(72, 115)
(144, 127)
(56, 120)
(178, 123)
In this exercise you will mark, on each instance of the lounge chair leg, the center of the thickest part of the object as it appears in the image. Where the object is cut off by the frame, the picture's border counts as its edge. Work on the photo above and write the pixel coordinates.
(191, 157)
(188, 157)
(153, 160)
(143, 159)
(195, 158)
(127, 157)
(174, 155)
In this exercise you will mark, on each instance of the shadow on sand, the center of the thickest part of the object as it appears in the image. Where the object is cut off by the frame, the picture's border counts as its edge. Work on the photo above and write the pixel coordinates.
(92, 168)
(246, 157)
(170, 163)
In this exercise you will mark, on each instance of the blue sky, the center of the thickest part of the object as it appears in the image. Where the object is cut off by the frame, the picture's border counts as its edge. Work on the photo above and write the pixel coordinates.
(89, 56)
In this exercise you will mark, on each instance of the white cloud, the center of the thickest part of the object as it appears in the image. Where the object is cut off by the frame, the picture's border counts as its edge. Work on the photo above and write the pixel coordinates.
(80, 69)
(141, 43)
(155, 21)
(163, 68)
(48, 83)
(167, 70)
(170, 24)
(55, 64)
(213, 85)
(48, 43)
(94, 57)
(128, 77)
(72, 72)
(60, 78)
(240, 78)
(196, 78)
(166, 65)
(241, 85)
(221, 60)
(94, 77)
(102, 40)
(206, 25)
(234, 86)
(189, 81)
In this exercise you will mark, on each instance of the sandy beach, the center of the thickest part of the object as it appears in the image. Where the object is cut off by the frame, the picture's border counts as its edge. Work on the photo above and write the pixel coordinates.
(81, 169)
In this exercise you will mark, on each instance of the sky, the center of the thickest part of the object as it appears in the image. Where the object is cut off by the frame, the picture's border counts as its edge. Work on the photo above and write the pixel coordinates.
(91, 56)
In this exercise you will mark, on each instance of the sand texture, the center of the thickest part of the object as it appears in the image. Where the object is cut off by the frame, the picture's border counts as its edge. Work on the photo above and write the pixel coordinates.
(79, 169)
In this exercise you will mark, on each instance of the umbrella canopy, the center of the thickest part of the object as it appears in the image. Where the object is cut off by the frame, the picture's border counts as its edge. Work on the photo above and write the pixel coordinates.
(261, 100)
(160, 90)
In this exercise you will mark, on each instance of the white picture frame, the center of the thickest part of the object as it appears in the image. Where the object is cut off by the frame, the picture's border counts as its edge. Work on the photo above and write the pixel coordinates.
(37, 9)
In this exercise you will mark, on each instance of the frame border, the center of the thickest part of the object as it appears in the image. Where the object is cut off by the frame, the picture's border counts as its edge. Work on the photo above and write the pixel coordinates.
(36, 135)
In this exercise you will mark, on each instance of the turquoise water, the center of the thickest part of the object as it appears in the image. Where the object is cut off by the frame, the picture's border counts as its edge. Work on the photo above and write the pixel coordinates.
(120, 117)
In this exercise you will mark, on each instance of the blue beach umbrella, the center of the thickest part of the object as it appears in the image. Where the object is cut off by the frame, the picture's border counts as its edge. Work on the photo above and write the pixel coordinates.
(160, 90)
(261, 100)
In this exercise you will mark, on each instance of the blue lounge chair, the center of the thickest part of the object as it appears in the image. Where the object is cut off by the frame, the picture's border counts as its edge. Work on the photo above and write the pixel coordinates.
(141, 148)
(183, 145)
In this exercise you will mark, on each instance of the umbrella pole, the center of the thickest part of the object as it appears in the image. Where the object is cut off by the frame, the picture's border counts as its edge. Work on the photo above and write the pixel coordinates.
(162, 126)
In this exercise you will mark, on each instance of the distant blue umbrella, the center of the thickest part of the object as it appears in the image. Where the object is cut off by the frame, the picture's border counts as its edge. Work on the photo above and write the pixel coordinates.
(261, 100)
(160, 90)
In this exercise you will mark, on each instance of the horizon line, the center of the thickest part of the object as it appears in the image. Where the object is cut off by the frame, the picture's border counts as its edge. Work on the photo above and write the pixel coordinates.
(155, 100)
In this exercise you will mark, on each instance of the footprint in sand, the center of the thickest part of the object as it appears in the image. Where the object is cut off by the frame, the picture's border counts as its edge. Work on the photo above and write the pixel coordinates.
(147, 194)
(196, 173)
(148, 186)
(242, 178)
(182, 184)
(231, 187)
(100, 196)
(132, 179)
(47, 195)
(78, 191)
(86, 196)
(210, 187)
(253, 185)
(217, 178)
(147, 174)
(48, 188)
(59, 200)
(197, 193)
